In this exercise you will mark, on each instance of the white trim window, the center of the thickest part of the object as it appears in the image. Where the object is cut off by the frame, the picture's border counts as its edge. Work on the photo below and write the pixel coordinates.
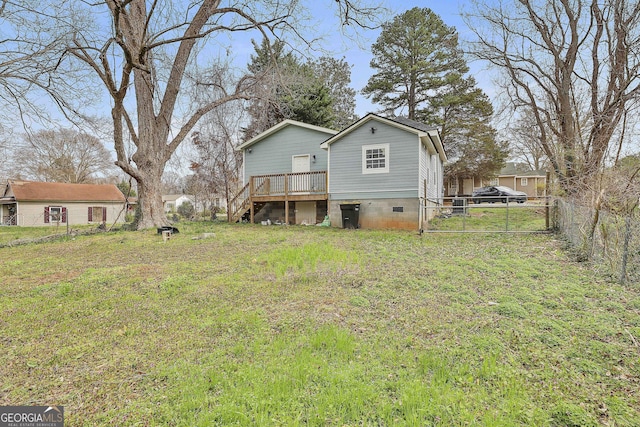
(55, 213)
(375, 158)
(493, 181)
(524, 182)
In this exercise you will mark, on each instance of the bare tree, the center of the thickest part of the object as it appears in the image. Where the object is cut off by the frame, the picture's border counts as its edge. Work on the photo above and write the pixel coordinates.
(33, 38)
(574, 65)
(62, 156)
(525, 144)
(143, 61)
(216, 165)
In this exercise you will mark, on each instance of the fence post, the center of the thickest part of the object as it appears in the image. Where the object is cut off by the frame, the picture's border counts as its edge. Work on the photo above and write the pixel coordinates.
(506, 222)
(625, 249)
(546, 213)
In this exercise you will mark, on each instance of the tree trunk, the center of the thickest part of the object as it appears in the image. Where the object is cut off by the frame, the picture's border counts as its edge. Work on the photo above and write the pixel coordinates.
(150, 209)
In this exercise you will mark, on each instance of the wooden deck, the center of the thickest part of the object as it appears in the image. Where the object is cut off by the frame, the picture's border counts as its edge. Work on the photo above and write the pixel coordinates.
(286, 187)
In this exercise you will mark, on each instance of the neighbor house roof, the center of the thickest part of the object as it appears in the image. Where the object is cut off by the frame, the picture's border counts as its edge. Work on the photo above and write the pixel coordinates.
(282, 125)
(174, 197)
(520, 169)
(22, 191)
(430, 135)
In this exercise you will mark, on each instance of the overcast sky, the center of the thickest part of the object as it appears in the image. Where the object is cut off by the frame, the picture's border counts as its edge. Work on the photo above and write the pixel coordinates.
(356, 46)
(358, 52)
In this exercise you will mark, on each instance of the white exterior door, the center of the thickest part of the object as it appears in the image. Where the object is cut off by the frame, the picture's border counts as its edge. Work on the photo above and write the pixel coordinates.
(300, 184)
(300, 163)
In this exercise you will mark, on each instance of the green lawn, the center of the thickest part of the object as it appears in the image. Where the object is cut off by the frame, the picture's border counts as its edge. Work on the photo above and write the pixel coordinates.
(286, 326)
(493, 217)
(12, 234)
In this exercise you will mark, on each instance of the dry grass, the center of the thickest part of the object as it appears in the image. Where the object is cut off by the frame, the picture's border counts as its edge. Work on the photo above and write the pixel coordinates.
(313, 326)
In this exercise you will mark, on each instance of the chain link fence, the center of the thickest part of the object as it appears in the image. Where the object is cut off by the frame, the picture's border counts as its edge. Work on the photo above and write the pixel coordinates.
(463, 215)
(610, 241)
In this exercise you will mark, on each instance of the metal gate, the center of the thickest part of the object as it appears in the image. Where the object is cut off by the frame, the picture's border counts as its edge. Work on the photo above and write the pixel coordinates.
(462, 215)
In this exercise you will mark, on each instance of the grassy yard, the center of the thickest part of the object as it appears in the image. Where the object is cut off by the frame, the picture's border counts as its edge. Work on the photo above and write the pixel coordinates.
(286, 326)
(11, 235)
(493, 217)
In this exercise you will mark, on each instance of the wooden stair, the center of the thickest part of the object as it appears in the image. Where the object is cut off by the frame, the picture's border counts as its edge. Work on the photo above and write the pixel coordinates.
(239, 205)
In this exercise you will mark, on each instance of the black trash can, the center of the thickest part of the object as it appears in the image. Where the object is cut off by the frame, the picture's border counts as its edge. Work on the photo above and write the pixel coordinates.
(350, 215)
(459, 206)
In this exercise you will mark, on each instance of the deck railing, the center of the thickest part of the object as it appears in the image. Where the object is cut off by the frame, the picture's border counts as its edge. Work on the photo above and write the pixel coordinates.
(289, 184)
(281, 185)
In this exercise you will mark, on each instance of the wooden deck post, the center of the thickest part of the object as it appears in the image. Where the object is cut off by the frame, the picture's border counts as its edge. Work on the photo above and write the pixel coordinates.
(251, 210)
(286, 199)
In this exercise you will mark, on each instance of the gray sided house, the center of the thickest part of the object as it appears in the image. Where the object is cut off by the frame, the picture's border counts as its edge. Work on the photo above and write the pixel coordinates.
(284, 175)
(377, 173)
(391, 167)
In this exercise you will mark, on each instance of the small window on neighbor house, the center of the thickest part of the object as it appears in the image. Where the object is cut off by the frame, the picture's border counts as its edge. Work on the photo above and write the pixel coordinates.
(375, 158)
(523, 182)
(55, 214)
(493, 181)
(97, 214)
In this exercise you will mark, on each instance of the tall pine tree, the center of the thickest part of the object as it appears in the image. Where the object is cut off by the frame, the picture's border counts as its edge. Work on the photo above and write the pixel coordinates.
(420, 69)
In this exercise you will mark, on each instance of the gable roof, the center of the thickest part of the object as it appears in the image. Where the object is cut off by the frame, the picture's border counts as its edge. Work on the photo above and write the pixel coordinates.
(174, 197)
(520, 169)
(429, 135)
(413, 124)
(22, 191)
(280, 126)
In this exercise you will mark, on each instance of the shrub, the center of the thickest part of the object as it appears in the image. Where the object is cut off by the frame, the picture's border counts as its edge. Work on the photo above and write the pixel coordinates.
(186, 210)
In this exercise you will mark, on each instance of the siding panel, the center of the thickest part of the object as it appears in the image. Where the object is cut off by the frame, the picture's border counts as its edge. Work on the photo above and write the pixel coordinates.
(274, 153)
(346, 178)
(32, 214)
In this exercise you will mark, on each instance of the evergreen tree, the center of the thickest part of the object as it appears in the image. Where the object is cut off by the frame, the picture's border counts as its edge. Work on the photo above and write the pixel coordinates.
(420, 67)
(335, 74)
(274, 68)
(416, 58)
(310, 102)
(464, 115)
(316, 92)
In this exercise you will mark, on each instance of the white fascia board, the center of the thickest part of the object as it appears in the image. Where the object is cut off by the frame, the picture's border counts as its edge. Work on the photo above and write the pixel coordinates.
(282, 125)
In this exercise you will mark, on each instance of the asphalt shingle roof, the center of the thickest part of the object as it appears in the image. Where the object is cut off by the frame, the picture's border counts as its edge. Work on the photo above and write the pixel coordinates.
(56, 191)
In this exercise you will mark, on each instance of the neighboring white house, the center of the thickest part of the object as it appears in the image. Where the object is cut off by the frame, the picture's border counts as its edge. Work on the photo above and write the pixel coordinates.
(171, 202)
(31, 204)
